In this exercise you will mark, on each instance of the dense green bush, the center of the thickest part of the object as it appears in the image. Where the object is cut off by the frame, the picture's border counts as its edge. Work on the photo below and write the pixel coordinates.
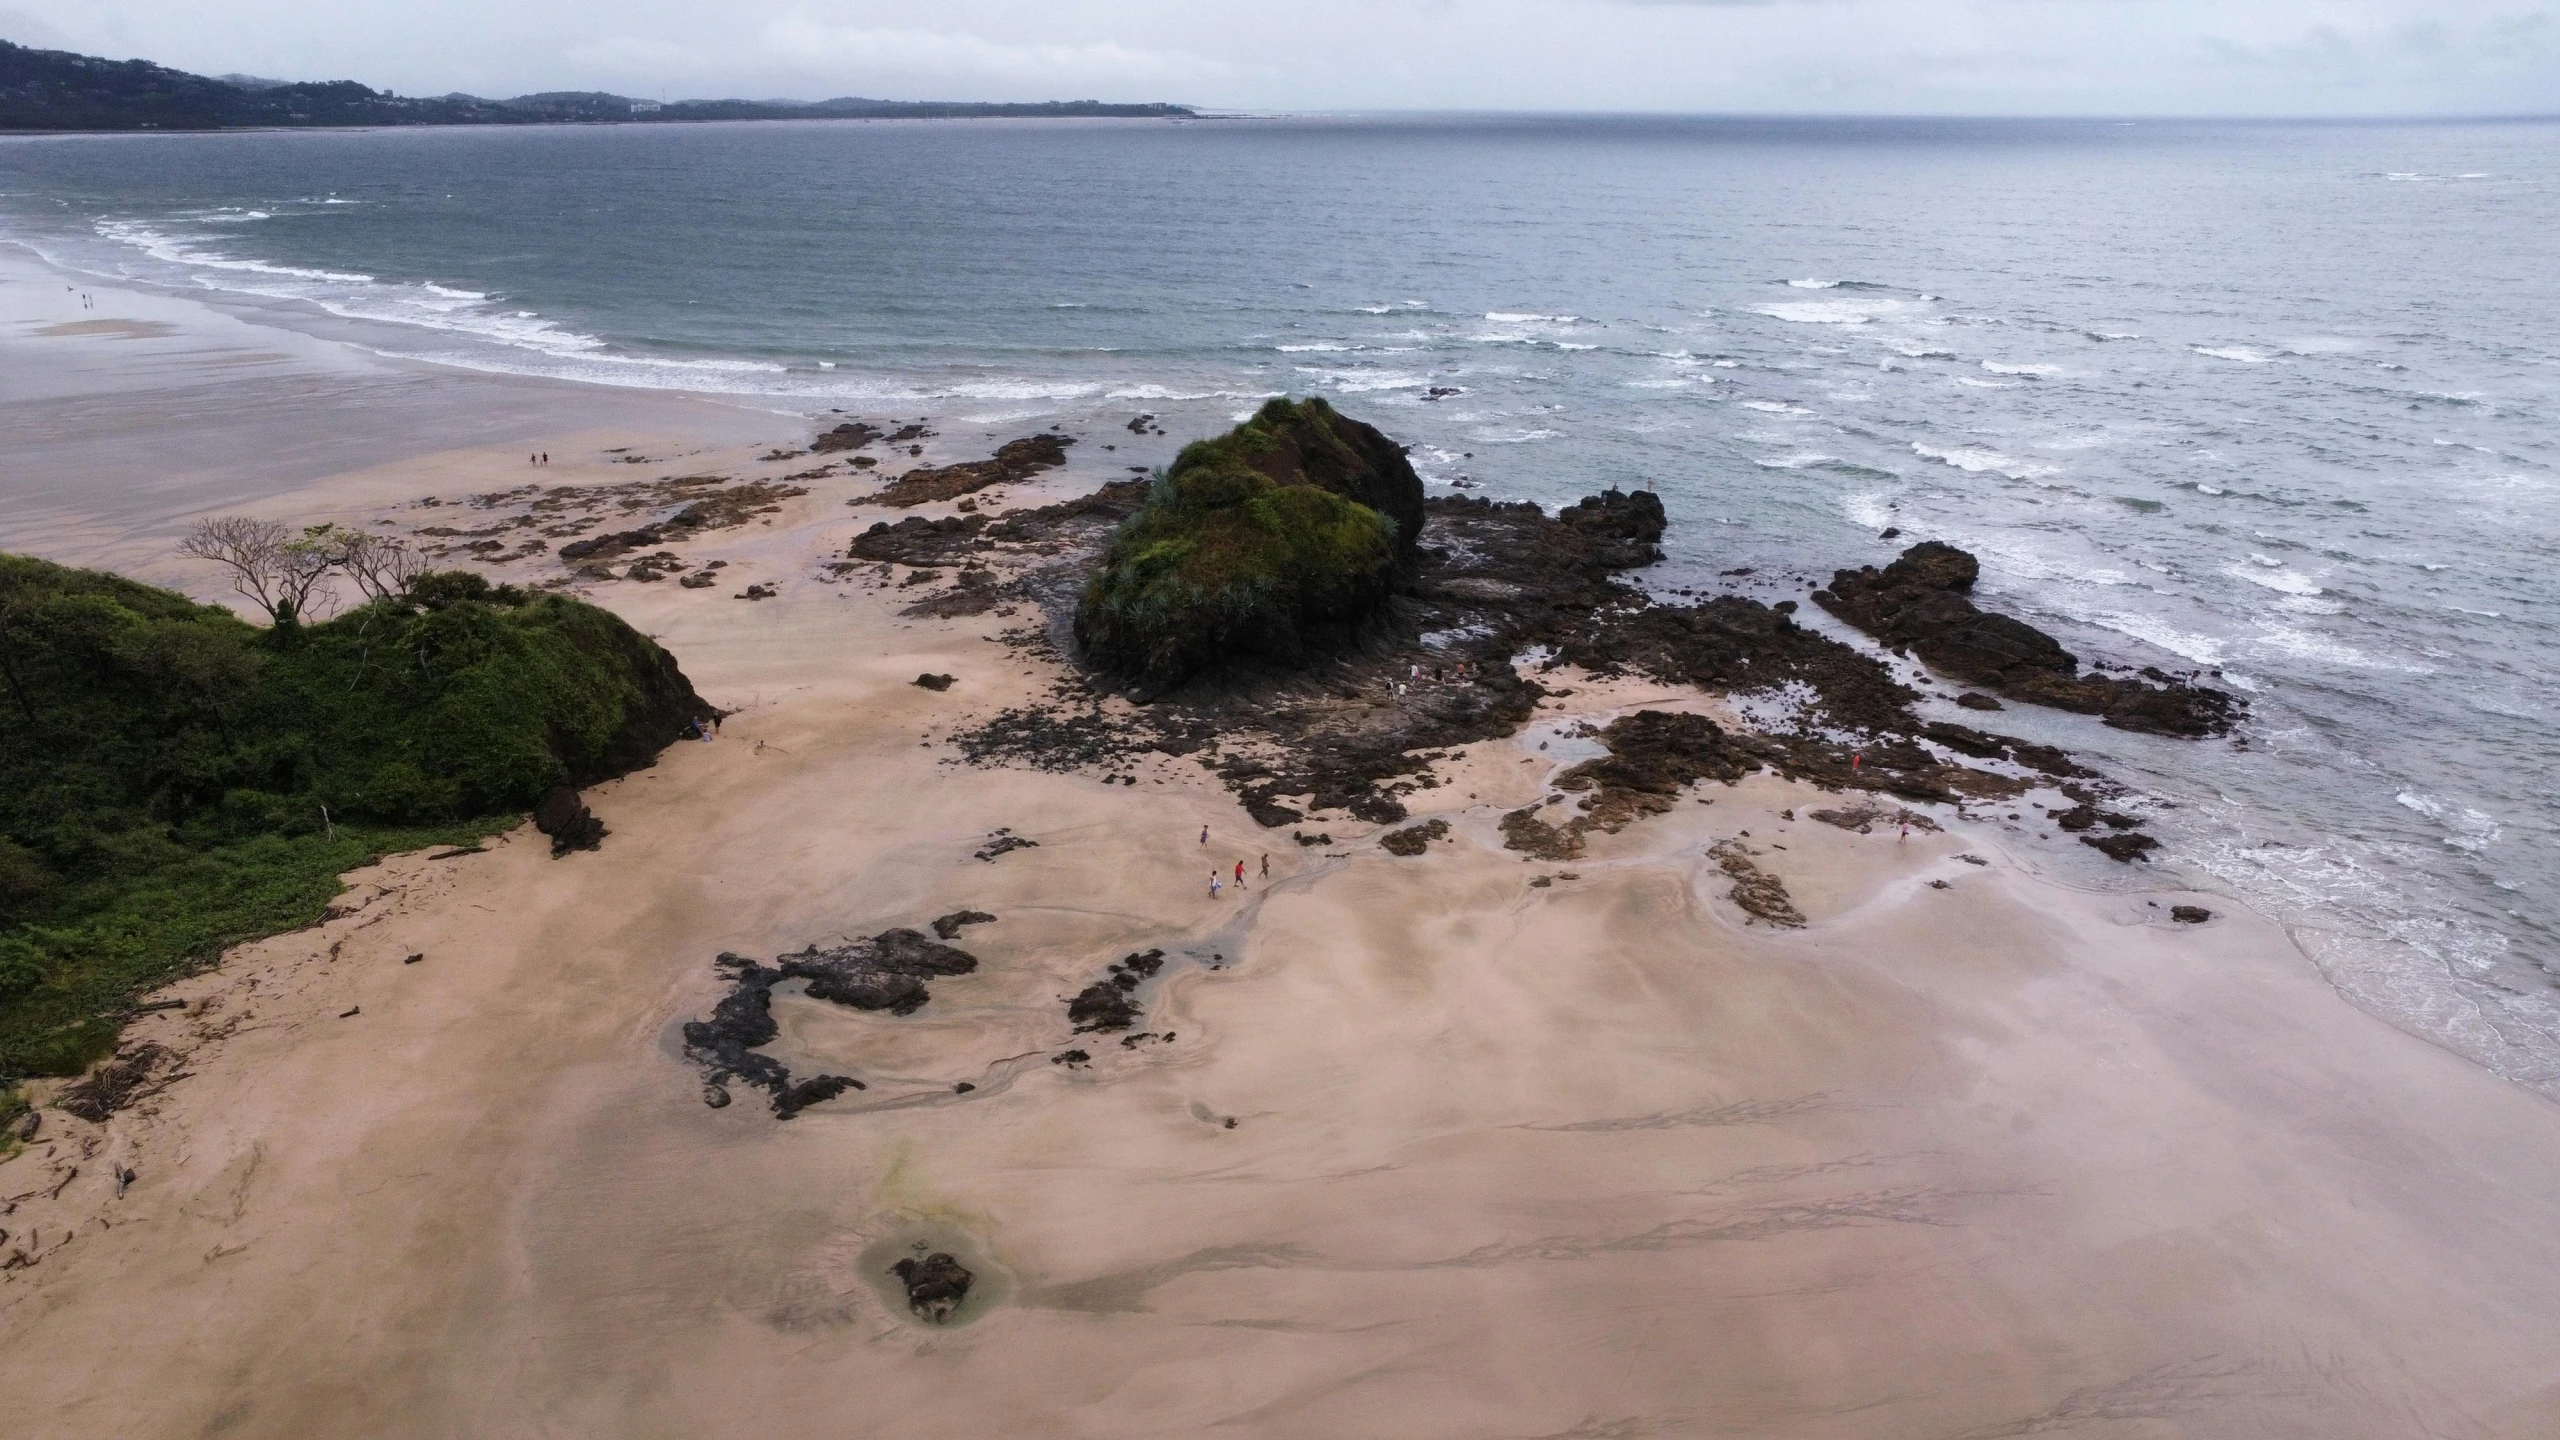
(174, 780)
(1257, 542)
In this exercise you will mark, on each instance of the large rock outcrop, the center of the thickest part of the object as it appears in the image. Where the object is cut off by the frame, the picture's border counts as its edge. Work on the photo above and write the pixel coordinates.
(1922, 602)
(1272, 540)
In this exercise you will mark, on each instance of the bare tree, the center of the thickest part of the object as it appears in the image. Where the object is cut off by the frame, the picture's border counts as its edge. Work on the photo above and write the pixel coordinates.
(309, 560)
(383, 566)
(252, 549)
(269, 564)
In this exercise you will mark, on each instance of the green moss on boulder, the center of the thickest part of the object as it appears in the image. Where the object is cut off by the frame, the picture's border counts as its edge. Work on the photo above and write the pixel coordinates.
(1265, 541)
(174, 780)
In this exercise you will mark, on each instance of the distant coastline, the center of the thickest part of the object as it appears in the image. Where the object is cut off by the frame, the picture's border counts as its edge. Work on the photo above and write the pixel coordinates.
(59, 90)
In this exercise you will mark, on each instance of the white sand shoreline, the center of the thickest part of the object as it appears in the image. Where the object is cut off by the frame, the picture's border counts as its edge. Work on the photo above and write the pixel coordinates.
(1599, 1157)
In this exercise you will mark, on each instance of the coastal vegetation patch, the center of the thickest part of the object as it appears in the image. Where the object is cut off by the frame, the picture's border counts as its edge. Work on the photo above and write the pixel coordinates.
(1265, 541)
(175, 780)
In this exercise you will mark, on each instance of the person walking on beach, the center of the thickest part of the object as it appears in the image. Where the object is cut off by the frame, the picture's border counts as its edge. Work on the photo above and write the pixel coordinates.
(1266, 864)
(1239, 874)
(1214, 887)
(1204, 834)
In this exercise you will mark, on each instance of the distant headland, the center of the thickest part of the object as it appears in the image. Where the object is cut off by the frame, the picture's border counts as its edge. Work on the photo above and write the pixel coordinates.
(60, 90)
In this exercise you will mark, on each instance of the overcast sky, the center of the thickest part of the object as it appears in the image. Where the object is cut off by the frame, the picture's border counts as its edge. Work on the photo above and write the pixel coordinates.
(2146, 57)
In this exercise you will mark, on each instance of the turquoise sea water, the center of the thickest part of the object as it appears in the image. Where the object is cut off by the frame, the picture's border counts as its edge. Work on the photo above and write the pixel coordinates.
(2273, 399)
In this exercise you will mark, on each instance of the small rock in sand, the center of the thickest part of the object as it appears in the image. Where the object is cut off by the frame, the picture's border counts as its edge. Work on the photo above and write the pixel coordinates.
(935, 1285)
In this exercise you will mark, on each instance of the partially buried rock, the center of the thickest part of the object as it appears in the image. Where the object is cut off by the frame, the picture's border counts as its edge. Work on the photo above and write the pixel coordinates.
(2189, 914)
(1110, 1003)
(2127, 847)
(932, 681)
(935, 1285)
(948, 926)
(567, 820)
(1413, 839)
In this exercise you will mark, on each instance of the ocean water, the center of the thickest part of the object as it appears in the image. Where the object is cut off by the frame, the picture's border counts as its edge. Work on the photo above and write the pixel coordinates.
(2272, 400)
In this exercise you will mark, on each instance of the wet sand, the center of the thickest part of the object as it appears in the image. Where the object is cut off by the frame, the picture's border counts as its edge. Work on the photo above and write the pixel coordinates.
(1596, 1158)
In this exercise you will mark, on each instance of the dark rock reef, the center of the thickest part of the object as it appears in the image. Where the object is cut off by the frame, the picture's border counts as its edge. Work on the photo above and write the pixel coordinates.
(1014, 460)
(1110, 1003)
(1922, 602)
(885, 972)
(1413, 839)
(1276, 539)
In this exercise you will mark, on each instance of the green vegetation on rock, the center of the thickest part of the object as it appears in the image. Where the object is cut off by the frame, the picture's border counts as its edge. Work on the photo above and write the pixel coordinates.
(1259, 542)
(174, 780)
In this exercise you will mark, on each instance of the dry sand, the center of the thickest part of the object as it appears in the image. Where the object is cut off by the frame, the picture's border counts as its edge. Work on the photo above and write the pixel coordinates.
(1430, 1151)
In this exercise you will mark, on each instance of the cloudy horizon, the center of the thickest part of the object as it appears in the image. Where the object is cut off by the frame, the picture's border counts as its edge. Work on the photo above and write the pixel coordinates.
(1917, 57)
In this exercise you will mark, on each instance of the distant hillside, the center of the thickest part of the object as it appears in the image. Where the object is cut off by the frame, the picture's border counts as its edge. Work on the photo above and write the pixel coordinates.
(58, 90)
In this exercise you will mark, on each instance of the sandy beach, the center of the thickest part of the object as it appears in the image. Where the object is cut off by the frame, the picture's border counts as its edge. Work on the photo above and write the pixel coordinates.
(1450, 1145)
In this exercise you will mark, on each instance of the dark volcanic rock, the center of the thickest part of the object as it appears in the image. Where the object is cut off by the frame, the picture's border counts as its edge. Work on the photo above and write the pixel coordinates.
(1626, 528)
(2189, 914)
(918, 541)
(724, 1045)
(567, 820)
(852, 435)
(948, 926)
(1755, 890)
(1014, 460)
(1004, 842)
(2127, 847)
(885, 972)
(1110, 1003)
(932, 681)
(1413, 839)
(935, 1285)
(1922, 601)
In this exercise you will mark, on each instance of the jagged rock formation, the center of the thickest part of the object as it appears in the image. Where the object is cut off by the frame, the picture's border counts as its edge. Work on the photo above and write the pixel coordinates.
(885, 972)
(1921, 602)
(1271, 540)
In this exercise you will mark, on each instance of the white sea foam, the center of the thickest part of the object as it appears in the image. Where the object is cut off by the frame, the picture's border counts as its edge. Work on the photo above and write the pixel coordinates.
(2290, 582)
(2466, 829)
(1318, 347)
(1996, 368)
(1853, 310)
(1367, 382)
(2241, 353)
(1514, 437)
(1977, 459)
(1871, 510)
(2152, 630)
(1815, 284)
(1794, 462)
(1971, 383)
(2310, 645)
(1774, 407)
(1515, 317)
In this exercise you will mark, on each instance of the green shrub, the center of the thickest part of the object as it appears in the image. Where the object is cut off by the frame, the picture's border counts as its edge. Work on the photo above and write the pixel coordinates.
(1252, 543)
(174, 781)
